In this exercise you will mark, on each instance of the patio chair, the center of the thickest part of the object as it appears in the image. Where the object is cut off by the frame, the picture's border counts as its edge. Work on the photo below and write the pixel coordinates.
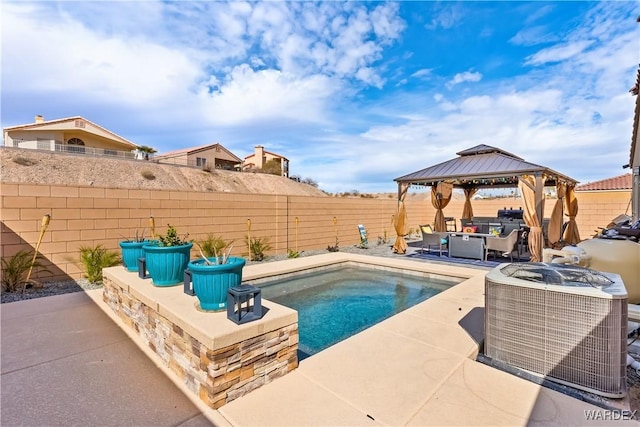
(506, 245)
(433, 239)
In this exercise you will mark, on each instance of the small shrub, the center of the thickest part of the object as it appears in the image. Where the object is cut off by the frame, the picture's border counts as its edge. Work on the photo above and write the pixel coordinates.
(219, 257)
(172, 238)
(213, 246)
(310, 181)
(257, 247)
(206, 168)
(138, 236)
(383, 240)
(147, 174)
(94, 259)
(334, 248)
(15, 268)
(292, 254)
(24, 161)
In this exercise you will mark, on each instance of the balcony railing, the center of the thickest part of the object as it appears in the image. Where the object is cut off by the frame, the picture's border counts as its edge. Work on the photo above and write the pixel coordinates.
(52, 145)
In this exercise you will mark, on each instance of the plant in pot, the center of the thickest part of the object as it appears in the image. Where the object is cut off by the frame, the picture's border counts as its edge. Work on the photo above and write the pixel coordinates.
(212, 276)
(132, 250)
(167, 257)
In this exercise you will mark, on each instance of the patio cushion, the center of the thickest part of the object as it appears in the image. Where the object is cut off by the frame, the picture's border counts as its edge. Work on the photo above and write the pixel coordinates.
(470, 229)
(495, 230)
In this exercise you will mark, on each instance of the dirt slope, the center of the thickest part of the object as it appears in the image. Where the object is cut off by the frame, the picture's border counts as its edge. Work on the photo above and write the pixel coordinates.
(28, 166)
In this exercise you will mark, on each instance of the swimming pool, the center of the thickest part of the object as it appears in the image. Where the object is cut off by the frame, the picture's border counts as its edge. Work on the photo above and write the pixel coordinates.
(334, 304)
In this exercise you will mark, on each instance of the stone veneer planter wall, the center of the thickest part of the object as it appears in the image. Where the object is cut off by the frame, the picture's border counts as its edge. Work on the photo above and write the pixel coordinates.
(216, 375)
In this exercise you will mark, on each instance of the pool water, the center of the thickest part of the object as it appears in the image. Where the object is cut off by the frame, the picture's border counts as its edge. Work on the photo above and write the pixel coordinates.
(335, 304)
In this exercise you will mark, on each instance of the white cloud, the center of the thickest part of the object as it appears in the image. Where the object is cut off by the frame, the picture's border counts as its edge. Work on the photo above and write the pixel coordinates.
(446, 16)
(539, 12)
(425, 72)
(249, 95)
(66, 56)
(195, 61)
(558, 53)
(534, 35)
(386, 24)
(467, 76)
(337, 39)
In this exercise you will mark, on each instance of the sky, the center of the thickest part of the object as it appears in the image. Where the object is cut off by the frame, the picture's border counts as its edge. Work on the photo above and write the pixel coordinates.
(354, 94)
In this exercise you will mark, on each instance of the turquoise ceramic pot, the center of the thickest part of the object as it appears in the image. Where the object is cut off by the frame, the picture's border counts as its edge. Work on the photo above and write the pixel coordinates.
(166, 264)
(131, 251)
(211, 282)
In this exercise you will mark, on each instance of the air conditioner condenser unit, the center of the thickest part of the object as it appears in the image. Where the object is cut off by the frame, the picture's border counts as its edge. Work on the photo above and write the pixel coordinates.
(565, 323)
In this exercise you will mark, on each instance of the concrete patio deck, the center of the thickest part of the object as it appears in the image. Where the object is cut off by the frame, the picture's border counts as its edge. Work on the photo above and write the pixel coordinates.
(65, 362)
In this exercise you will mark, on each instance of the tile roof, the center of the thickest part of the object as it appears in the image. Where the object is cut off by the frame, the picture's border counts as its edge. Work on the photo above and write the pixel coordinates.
(185, 150)
(622, 182)
(192, 150)
(44, 123)
(266, 152)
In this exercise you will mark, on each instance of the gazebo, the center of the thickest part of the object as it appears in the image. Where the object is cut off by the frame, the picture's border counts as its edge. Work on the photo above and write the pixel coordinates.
(484, 166)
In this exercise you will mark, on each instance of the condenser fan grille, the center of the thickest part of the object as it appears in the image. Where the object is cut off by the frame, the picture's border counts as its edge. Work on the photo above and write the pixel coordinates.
(556, 274)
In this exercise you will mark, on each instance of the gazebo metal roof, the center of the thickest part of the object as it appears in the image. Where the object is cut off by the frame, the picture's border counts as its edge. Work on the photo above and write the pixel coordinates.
(482, 166)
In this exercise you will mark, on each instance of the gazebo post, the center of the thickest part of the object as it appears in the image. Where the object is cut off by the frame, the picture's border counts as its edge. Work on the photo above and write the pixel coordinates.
(403, 188)
(539, 197)
(532, 189)
(400, 220)
(440, 197)
(555, 222)
(467, 209)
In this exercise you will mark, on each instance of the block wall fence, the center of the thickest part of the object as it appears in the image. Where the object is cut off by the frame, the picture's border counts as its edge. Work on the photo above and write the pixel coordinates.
(87, 216)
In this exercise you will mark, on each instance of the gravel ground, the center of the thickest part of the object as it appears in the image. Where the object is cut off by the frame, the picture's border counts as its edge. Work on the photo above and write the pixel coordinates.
(67, 286)
(50, 289)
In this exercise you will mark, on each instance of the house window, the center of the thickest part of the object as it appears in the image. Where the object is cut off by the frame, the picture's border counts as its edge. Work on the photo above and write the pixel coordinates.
(75, 145)
(201, 161)
(79, 124)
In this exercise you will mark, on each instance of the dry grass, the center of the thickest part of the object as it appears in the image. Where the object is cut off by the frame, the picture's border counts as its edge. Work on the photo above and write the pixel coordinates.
(147, 174)
(24, 161)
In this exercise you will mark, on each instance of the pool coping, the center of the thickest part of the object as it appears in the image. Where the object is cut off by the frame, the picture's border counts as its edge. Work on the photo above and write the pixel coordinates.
(304, 264)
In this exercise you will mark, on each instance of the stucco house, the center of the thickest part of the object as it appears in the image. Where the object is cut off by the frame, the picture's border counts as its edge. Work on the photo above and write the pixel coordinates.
(71, 134)
(260, 157)
(213, 156)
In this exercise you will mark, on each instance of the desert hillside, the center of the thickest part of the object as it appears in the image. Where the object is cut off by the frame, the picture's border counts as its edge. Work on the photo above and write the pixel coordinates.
(28, 166)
